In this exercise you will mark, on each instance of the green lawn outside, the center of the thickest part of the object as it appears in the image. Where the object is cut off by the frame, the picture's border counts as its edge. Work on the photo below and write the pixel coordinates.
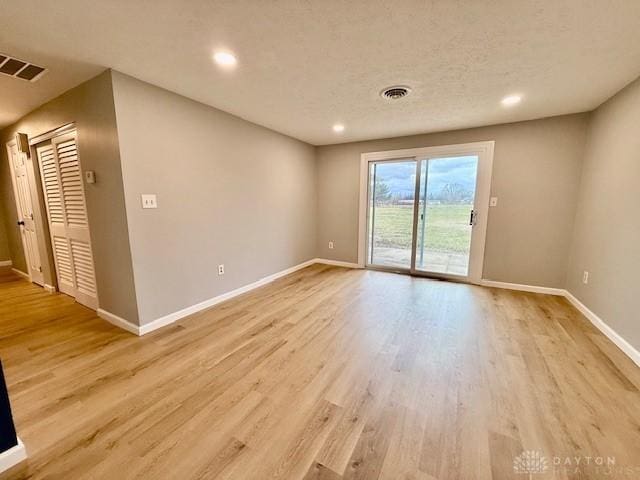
(447, 228)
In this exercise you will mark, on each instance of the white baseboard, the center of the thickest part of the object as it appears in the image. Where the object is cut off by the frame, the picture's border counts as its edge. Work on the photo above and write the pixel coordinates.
(119, 321)
(523, 288)
(185, 312)
(21, 274)
(336, 263)
(13, 456)
(601, 325)
(5, 263)
(49, 288)
(625, 346)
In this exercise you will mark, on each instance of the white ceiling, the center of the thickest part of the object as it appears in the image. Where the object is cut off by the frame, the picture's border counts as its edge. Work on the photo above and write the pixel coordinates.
(307, 64)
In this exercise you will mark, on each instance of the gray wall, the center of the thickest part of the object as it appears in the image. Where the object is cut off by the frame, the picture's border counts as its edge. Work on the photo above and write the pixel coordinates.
(229, 192)
(606, 240)
(536, 174)
(90, 106)
(5, 253)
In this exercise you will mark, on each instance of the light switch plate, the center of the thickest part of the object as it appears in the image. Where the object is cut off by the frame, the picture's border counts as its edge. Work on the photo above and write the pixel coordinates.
(149, 200)
(90, 176)
(493, 202)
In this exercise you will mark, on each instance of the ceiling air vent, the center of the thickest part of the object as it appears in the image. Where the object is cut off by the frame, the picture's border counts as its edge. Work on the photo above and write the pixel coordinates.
(395, 93)
(20, 69)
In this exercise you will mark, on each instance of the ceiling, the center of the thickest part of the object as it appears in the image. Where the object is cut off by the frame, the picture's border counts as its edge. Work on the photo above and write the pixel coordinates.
(304, 65)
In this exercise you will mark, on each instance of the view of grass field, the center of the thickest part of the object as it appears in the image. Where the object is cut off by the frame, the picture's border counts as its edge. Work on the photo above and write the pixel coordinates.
(447, 227)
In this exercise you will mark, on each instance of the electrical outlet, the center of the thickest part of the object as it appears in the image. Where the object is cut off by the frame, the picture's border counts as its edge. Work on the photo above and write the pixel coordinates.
(220, 269)
(149, 200)
(585, 277)
(330, 245)
(493, 202)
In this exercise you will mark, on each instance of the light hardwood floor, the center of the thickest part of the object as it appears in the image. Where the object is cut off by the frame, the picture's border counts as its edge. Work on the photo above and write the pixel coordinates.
(328, 373)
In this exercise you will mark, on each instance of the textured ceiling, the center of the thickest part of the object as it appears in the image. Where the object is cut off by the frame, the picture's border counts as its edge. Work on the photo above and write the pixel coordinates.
(305, 65)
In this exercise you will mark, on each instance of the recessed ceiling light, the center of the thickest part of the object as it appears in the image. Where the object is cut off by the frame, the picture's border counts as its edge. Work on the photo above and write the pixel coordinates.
(225, 59)
(338, 127)
(511, 100)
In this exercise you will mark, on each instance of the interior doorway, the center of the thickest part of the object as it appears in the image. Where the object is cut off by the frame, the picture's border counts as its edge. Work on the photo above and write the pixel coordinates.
(425, 210)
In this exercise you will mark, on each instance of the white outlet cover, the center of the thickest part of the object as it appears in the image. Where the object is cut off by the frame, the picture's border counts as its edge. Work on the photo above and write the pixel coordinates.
(330, 245)
(149, 200)
(220, 269)
(493, 202)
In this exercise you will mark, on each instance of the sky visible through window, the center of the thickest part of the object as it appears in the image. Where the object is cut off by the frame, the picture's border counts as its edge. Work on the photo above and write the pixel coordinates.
(401, 177)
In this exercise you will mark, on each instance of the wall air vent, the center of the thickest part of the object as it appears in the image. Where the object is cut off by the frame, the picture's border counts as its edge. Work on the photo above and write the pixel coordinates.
(395, 93)
(20, 69)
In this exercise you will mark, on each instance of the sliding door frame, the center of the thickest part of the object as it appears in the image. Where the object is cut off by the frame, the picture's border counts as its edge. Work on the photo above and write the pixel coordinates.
(484, 152)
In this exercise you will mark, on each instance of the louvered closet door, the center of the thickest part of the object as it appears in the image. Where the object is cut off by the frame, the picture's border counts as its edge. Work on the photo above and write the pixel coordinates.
(68, 224)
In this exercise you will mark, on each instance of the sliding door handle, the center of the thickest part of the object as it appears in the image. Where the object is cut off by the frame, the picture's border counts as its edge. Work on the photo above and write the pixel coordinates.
(472, 218)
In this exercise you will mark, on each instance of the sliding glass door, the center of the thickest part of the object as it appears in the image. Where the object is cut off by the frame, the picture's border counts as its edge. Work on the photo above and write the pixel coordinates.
(423, 212)
(392, 187)
(445, 214)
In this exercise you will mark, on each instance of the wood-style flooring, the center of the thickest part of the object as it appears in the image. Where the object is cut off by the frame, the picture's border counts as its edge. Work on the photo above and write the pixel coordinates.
(328, 373)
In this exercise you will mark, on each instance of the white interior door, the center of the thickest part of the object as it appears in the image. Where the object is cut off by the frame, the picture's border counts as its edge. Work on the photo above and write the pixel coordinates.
(24, 207)
(68, 222)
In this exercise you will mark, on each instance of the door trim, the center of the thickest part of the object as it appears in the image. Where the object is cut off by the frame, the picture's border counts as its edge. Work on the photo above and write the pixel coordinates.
(484, 151)
(43, 137)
